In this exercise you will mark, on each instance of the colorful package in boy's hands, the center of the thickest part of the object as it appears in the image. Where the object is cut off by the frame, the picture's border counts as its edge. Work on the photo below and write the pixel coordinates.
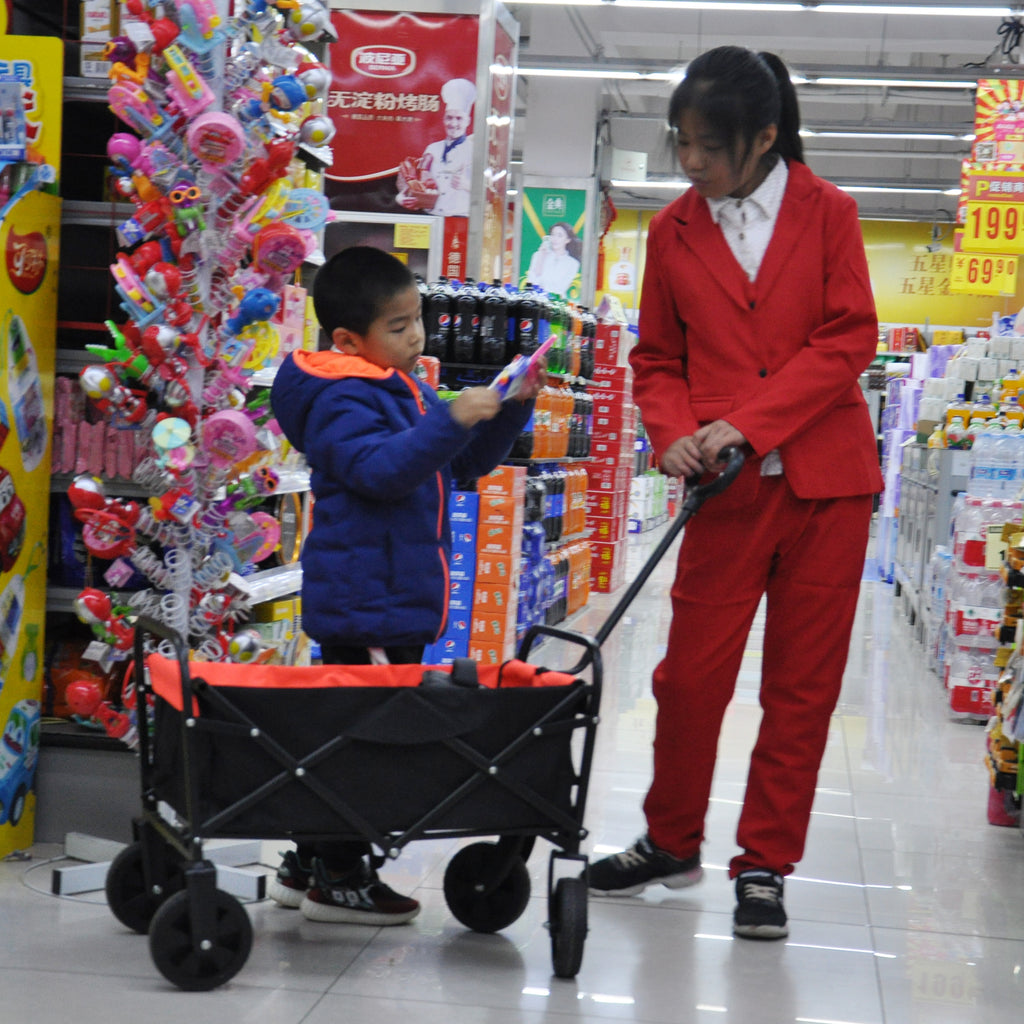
(521, 370)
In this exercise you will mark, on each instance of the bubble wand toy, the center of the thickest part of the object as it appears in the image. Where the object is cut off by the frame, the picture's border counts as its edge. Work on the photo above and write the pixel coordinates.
(521, 370)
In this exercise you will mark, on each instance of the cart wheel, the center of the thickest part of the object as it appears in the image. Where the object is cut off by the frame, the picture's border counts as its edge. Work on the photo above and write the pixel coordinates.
(170, 943)
(130, 902)
(568, 926)
(470, 899)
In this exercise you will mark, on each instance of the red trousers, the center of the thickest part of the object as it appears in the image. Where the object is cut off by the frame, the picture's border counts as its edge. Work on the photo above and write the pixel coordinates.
(807, 557)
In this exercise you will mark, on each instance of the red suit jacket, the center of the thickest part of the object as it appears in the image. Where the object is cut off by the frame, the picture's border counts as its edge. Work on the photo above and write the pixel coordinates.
(778, 357)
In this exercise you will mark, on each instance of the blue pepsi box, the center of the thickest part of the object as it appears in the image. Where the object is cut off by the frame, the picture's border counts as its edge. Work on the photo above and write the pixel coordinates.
(460, 596)
(464, 509)
(445, 651)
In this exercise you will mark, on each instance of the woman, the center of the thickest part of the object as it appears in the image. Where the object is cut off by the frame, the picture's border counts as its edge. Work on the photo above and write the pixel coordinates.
(756, 320)
(555, 264)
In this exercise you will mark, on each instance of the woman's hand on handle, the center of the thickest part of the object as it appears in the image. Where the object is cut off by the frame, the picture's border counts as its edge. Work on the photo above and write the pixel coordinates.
(694, 454)
(712, 438)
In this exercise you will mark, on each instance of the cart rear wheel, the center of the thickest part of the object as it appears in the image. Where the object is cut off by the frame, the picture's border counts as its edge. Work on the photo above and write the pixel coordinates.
(127, 895)
(224, 951)
(476, 897)
(568, 926)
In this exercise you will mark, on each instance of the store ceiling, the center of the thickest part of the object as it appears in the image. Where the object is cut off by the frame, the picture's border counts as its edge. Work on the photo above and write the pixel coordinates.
(813, 42)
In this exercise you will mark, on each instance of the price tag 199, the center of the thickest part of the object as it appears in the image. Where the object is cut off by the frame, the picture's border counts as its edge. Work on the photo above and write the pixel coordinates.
(994, 227)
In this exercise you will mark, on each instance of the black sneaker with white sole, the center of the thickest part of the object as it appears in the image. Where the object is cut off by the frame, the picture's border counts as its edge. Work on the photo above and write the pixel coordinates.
(358, 897)
(759, 913)
(288, 887)
(643, 864)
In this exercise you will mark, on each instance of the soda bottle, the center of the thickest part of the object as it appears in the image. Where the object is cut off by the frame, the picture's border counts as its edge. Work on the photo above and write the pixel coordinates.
(463, 322)
(527, 327)
(587, 344)
(437, 319)
(543, 315)
(493, 324)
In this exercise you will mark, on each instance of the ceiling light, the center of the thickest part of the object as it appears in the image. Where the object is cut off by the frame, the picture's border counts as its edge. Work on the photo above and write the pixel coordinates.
(680, 185)
(923, 136)
(894, 83)
(617, 72)
(771, 6)
(600, 73)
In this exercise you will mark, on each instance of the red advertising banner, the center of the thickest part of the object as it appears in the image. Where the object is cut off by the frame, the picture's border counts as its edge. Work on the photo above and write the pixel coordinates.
(402, 96)
(999, 121)
(499, 145)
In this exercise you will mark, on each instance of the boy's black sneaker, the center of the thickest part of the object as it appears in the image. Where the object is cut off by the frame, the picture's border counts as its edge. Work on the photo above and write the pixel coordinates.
(759, 911)
(643, 864)
(359, 897)
(288, 887)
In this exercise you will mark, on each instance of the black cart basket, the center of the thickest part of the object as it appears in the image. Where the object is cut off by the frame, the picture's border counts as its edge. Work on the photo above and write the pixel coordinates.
(388, 754)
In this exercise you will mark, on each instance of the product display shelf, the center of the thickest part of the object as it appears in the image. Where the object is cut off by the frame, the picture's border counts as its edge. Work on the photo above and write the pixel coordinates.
(930, 479)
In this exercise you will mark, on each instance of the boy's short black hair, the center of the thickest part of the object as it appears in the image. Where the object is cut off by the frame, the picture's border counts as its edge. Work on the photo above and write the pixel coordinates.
(350, 288)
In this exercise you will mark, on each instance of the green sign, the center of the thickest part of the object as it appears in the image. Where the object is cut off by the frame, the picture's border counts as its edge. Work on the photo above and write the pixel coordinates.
(552, 239)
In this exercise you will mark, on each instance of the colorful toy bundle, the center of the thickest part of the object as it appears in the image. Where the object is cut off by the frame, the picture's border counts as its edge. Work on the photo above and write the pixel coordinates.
(226, 140)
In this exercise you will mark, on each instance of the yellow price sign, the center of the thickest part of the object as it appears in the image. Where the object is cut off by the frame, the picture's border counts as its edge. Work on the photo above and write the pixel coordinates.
(994, 227)
(412, 236)
(983, 274)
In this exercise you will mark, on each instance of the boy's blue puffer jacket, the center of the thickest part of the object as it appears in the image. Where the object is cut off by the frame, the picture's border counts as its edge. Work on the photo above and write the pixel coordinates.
(382, 450)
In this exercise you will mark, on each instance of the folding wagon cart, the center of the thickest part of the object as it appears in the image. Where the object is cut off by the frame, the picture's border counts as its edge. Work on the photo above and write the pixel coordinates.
(387, 754)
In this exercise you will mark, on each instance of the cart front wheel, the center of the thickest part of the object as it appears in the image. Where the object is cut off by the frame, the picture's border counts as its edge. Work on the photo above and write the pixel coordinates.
(130, 901)
(568, 926)
(477, 897)
(221, 954)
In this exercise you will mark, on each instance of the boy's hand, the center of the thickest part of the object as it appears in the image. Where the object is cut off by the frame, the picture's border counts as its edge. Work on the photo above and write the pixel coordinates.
(536, 379)
(474, 405)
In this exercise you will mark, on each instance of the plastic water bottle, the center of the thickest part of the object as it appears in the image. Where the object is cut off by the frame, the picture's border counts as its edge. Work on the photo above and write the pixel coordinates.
(983, 470)
(1006, 457)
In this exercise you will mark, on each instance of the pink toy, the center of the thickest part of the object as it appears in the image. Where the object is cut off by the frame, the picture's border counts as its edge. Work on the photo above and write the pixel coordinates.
(217, 140)
(228, 437)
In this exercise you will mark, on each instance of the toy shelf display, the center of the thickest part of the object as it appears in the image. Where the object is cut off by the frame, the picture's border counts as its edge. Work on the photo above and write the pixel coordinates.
(178, 484)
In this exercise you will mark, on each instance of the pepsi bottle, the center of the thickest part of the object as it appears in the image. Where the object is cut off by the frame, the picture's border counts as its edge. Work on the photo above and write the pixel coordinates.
(527, 332)
(464, 316)
(493, 325)
(437, 320)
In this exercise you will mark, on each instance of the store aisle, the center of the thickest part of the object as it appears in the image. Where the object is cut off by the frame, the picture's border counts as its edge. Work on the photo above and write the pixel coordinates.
(908, 907)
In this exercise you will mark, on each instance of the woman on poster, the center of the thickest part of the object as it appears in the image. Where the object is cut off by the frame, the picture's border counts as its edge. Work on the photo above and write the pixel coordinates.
(555, 264)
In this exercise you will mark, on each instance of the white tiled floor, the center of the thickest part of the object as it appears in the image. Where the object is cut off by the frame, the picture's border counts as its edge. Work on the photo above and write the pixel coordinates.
(907, 909)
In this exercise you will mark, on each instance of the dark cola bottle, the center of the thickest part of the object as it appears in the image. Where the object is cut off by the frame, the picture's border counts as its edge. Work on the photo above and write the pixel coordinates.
(464, 317)
(536, 496)
(527, 334)
(588, 339)
(437, 320)
(522, 446)
(493, 324)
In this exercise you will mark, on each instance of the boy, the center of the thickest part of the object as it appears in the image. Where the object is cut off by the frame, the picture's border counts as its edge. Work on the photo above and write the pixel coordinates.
(382, 450)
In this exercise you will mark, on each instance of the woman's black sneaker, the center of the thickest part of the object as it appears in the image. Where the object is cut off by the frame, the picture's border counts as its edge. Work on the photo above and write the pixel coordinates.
(759, 912)
(643, 864)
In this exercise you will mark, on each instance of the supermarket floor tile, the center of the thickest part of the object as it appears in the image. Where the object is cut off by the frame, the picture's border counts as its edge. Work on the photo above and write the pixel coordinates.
(907, 907)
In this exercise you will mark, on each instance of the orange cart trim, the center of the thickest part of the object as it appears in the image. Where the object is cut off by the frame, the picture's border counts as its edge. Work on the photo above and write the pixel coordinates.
(165, 679)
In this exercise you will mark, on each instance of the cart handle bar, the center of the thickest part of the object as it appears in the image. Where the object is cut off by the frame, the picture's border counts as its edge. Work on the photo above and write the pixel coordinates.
(696, 495)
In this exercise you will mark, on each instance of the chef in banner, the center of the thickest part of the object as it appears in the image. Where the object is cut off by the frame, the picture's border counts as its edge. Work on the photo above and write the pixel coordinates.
(439, 182)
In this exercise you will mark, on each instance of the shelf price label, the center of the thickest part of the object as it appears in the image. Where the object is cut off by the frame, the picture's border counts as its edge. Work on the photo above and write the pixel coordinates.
(995, 212)
(994, 227)
(975, 273)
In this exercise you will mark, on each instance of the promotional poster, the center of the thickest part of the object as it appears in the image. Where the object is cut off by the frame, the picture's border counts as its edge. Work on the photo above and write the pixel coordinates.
(499, 146)
(402, 98)
(552, 240)
(31, 86)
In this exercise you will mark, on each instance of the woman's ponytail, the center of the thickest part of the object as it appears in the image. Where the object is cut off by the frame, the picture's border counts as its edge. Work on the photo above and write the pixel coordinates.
(788, 142)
